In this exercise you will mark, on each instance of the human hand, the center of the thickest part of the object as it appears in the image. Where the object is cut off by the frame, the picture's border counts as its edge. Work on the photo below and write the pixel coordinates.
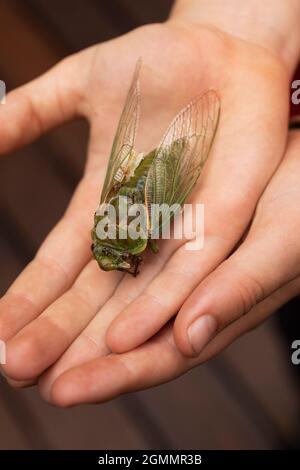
(259, 277)
(57, 299)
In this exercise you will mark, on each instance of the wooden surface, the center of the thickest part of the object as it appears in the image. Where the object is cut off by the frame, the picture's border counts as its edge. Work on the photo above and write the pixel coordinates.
(244, 399)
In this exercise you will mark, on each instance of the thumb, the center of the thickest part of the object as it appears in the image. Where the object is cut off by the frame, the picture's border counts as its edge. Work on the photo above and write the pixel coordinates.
(267, 260)
(259, 267)
(53, 98)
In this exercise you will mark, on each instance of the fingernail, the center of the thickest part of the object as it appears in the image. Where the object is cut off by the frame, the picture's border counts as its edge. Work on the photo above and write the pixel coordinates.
(201, 332)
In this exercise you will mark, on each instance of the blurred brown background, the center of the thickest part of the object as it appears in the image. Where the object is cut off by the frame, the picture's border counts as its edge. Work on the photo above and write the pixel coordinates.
(247, 398)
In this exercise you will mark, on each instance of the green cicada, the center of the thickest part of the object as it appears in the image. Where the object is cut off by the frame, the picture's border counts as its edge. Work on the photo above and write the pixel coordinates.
(164, 176)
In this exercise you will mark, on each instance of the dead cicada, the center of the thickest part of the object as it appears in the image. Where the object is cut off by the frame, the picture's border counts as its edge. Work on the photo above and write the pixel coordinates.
(162, 177)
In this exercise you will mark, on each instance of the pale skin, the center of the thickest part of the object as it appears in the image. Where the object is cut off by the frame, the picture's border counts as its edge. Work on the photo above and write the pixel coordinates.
(64, 315)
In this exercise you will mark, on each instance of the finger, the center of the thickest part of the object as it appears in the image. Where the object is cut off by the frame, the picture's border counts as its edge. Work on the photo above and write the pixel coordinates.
(58, 262)
(161, 299)
(43, 341)
(153, 363)
(45, 102)
(228, 210)
(268, 259)
(14, 383)
(227, 294)
(20, 384)
(251, 320)
(91, 343)
(106, 377)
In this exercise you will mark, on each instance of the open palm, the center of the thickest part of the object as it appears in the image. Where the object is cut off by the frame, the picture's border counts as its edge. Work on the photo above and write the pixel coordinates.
(64, 313)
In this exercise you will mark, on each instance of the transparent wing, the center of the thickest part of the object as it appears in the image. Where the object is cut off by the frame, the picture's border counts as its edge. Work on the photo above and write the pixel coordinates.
(122, 148)
(182, 153)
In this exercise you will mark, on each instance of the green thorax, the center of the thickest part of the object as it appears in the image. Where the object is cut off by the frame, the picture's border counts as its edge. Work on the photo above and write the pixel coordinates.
(134, 189)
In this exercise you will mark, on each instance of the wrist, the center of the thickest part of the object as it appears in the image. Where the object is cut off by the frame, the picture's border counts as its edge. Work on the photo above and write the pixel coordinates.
(272, 24)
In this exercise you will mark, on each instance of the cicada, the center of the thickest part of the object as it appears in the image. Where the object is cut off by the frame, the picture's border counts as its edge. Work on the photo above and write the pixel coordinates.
(166, 175)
